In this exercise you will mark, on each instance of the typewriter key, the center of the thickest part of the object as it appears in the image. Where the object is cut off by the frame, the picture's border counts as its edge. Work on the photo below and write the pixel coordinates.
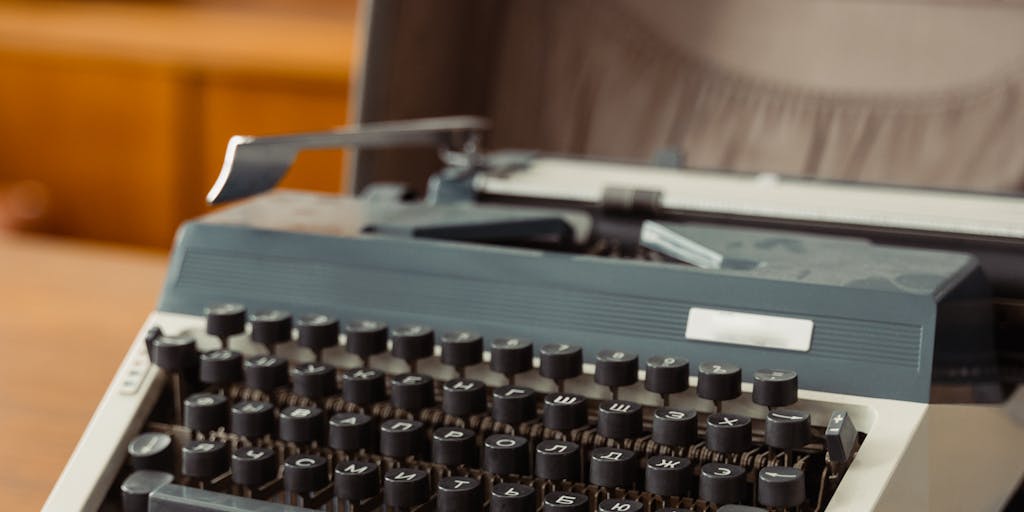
(314, 380)
(356, 480)
(220, 367)
(566, 502)
(840, 437)
(406, 487)
(365, 338)
(667, 476)
(401, 438)
(561, 362)
(412, 392)
(270, 328)
(775, 388)
(301, 425)
(615, 369)
(613, 467)
(461, 349)
(225, 321)
(252, 420)
(619, 419)
(728, 433)
(674, 427)
(459, 494)
(265, 372)
(506, 455)
(787, 429)
(204, 460)
(363, 386)
(351, 432)
(135, 489)
(453, 446)
(206, 412)
(253, 466)
(510, 356)
(718, 382)
(152, 450)
(667, 375)
(564, 411)
(506, 497)
(513, 404)
(174, 354)
(721, 483)
(557, 460)
(305, 473)
(781, 486)
(412, 343)
(464, 397)
(729, 508)
(317, 332)
(620, 505)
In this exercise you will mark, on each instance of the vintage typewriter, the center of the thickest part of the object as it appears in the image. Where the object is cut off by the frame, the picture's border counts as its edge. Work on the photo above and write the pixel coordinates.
(546, 333)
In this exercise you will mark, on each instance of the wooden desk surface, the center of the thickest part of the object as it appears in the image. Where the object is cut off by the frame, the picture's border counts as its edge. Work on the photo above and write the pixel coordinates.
(68, 311)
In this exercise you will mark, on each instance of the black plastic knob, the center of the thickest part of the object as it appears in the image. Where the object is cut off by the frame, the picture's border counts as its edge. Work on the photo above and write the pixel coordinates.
(301, 425)
(718, 381)
(174, 353)
(412, 392)
(781, 487)
(619, 419)
(461, 349)
(513, 404)
(356, 480)
(206, 412)
(220, 367)
(775, 388)
(613, 467)
(464, 397)
(615, 369)
(363, 386)
(728, 433)
(252, 419)
(560, 362)
(787, 429)
(721, 483)
(253, 466)
(205, 460)
(305, 473)
(225, 320)
(152, 450)
(674, 427)
(564, 411)
(507, 455)
(365, 338)
(566, 502)
(271, 327)
(135, 489)
(620, 505)
(453, 446)
(351, 432)
(406, 488)
(317, 332)
(506, 497)
(265, 373)
(459, 494)
(314, 380)
(557, 460)
(412, 342)
(668, 476)
(510, 356)
(665, 375)
(401, 438)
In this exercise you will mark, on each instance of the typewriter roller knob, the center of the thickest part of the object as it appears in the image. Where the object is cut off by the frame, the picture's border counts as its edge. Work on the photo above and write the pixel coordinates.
(459, 494)
(271, 327)
(365, 338)
(453, 446)
(566, 502)
(412, 343)
(305, 473)
(412, 392)
(507, 497)
(620, 505)
(507, 455)
(317, 332)
(674, 427)
(464, 397)
(265, 372)
(564, 411)
(351, 432)
(204, 460)
(314, 380)
(356, 480)
(301, 425)
(718, 382)
(405, 488)
(510, 356)
(721, 483)
(152, 450)
(666, 375)
(557, 460)
(513, 404)
(252, 420)
(613, 467)
(253, 466)
(174, 354)
(461, 349)
(363, 386)
(781, 486)
(787, 429)
(775, 388)
(561, 362)
(206, 412)
(615, 369)
(220, 367)
(667, 476)
(225, 321)
(728, 433)
(400, 438)
(620, 419)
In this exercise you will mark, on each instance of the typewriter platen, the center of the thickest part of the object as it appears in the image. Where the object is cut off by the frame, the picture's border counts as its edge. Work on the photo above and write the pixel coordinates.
(513, 344)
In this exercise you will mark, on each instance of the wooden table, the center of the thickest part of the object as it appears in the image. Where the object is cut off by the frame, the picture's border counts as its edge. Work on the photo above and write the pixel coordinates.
(68, 311)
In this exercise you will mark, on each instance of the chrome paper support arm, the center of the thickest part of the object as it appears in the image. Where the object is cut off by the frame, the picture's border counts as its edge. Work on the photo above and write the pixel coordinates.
(256, 164)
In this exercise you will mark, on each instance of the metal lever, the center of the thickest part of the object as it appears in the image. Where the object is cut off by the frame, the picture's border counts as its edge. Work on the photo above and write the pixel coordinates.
(256, 164)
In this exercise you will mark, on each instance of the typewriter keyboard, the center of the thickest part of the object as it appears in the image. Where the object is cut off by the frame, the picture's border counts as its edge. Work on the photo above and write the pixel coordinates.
(281, 429)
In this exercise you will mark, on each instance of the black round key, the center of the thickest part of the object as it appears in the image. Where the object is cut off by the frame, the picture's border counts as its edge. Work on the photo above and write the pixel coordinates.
(135, 489)
(613, 467)
(351, 432)
(667, 476)
(513, 404)
(252, 419)
(253, 466)
(271, 327)
(775, 388)
(665, 375)
(674, 427)
(305, 473)
(412, 342)
(356, 480)
(620, 505)
(152, 450)
(412, 392)
(453, 446)
(204, 460)
(721, 483)
(507, 455)
(206, 412)
(787, 429)
(566, 502)
(560, 362)
(718, 381)
(314, 380)
(464, 397)
(619, 419)
(564, 411)
(557, 460)
(174, 353)
(401, 438)
(510, 356)
(301, 424)
(365, 338)
(406, 487)
(459, 494)
(363, 386)
(317, 332)
(728, 433)
(265, 372)
(507, 497)
(225, 320)
(781, 486)
(615, 368)
(461, 349)
(220, 367)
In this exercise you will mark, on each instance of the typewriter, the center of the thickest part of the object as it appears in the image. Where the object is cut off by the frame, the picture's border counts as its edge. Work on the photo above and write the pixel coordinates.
(541, 333)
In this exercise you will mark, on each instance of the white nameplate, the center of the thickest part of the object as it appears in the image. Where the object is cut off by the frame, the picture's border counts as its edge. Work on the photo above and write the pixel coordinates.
(736, 328)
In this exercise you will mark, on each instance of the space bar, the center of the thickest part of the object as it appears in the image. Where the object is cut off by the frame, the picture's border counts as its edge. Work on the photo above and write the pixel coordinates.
(178, 498)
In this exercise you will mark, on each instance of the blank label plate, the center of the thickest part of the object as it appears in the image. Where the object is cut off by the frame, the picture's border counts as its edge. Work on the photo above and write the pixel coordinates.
(737, 328)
